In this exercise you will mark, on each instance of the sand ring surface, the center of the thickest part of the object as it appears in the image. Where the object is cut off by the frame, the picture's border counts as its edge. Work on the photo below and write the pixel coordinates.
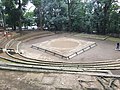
(63, 43)
(63, 46)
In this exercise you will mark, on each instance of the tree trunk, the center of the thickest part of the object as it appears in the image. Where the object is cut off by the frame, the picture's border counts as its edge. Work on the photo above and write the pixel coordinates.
(69, 17)
(20, 23)
(106, 16)
(3, 19)
(40, 17)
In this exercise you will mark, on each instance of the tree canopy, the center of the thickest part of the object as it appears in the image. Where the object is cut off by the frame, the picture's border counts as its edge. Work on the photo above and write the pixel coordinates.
(100, 16)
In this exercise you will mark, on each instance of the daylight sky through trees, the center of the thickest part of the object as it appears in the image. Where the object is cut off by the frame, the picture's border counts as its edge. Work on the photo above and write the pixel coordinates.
(101, 16)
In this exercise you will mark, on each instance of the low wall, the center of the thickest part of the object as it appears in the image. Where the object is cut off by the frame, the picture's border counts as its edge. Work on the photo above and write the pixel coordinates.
(115, 35)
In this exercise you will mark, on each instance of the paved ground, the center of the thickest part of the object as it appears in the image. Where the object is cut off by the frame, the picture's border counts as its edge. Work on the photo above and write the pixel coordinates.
(12, 80)
(105, 50)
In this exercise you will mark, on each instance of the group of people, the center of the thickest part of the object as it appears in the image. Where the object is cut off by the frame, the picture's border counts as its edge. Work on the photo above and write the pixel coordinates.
(117, 46)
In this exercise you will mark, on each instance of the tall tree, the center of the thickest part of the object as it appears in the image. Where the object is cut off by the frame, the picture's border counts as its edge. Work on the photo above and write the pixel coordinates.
(39, 13)
(14, 12)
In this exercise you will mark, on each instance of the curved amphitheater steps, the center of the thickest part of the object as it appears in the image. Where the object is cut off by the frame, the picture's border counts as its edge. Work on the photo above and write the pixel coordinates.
(30, 36)
(48, 66)
(97, 65)
(107, 65)
(86, 65)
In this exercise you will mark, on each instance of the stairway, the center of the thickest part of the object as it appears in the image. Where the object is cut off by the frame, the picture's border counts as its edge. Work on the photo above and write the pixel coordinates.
(1, 29)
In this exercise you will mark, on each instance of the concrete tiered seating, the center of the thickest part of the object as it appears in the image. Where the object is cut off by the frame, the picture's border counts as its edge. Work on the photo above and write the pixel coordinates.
(94, 65)
(1, 29)
(32, 35)
(12, 46)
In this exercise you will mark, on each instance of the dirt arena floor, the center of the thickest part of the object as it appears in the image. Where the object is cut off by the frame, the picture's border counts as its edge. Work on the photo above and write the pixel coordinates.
(13, 80)
(105, 50)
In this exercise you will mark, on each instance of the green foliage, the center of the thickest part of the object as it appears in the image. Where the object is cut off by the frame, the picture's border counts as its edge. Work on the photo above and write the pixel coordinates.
(101, 16)
(13, 12)
(36, 2)
(28, 19)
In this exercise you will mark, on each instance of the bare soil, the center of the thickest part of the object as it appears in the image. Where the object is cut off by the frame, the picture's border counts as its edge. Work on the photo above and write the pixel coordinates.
(12, 80)
(105, 50)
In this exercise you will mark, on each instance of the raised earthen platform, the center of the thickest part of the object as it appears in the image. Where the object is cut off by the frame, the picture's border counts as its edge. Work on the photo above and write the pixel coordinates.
(64, 47)
(104, 51)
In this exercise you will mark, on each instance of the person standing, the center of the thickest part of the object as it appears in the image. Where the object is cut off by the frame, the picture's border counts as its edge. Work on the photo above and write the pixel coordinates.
(117, 46)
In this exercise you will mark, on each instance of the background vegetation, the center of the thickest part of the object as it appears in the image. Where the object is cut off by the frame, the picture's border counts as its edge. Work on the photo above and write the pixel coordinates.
(89, 16)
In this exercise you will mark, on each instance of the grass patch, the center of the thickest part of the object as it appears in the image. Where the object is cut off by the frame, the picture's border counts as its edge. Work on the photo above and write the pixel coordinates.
(5, 61)
(114, 39)
(92, 36)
